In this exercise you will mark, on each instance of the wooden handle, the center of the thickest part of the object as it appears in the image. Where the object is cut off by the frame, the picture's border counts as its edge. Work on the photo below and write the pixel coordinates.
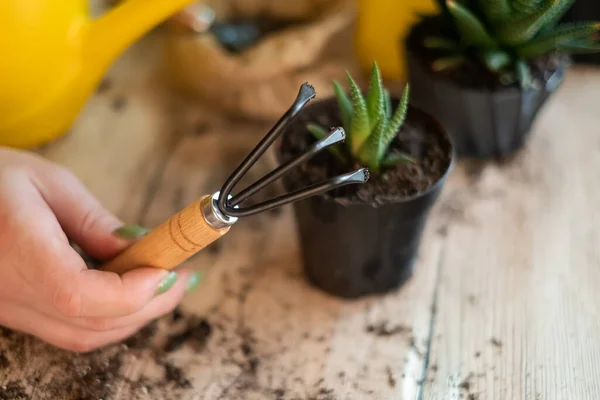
(169, 244)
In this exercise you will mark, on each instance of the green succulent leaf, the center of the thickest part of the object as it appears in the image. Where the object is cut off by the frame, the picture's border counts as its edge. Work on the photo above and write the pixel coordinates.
(444, 63)
(388, 103)
(525, 7)
(523, 29)
(375, 95)
(370, 150)
(393, 159)
(472, 31)
(360, 125)
(561, 36)
(581, 47)
(496, 10)
(374, 149)
(496, 60)
(344, 105)
(524, 74)
(398, 118)
(319, 133)
(438, 43)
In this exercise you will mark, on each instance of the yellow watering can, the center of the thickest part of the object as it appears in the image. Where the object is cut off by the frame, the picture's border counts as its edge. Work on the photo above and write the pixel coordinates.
(53, 55)
(380, 27)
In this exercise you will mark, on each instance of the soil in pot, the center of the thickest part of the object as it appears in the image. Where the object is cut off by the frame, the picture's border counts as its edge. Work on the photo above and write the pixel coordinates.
(363, 239)
(473, 75)
(486, 117)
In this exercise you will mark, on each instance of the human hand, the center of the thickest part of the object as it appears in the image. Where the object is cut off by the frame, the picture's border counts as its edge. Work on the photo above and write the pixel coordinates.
(46, 289)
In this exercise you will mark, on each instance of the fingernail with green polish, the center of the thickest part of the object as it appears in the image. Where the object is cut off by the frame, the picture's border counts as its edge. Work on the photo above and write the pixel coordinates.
(131, 231)
(167, 283)
(193, 282)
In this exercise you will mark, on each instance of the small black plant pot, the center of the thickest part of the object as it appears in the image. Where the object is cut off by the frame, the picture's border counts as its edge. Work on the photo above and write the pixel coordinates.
(354, 244)
(584, 11)
(483, 122)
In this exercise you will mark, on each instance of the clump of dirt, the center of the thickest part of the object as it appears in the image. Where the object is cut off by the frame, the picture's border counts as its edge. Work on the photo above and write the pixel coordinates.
(197, 332)
(382, 329)
(175, 375)
(4, 363)
(13, 391)
(99, 374)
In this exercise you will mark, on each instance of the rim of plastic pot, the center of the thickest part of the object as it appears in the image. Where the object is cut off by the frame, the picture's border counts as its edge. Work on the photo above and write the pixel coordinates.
(551, 85)
(430, 122)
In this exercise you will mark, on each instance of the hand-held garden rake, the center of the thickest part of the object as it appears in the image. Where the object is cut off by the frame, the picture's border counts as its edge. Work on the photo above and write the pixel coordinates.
(211, 216)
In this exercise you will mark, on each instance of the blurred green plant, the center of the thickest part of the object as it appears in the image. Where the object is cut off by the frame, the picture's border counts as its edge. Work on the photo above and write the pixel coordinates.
(369, 123)
(505, 35)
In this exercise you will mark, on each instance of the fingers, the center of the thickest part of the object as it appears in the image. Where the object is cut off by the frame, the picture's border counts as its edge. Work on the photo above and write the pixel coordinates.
(93, 293)
(81, 215)
(59, 333)
(57, 274)
(157, 307)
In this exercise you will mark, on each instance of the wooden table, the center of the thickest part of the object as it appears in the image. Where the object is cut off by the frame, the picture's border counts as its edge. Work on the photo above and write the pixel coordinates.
(501, 306)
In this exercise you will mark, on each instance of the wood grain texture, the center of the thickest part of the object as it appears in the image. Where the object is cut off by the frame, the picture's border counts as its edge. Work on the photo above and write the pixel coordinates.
(260, 330)
(171, 243)
(517, 311)
(502, 304)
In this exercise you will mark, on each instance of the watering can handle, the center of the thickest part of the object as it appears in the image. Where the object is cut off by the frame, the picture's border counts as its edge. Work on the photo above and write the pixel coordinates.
(170, 243)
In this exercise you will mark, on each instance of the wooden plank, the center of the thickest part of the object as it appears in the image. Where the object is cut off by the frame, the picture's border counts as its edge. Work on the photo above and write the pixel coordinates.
(517, 314)
(256, 329)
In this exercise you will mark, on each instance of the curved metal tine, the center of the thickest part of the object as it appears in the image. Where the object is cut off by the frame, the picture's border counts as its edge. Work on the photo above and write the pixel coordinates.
(359, 176)
(305, 94)
(337, 135)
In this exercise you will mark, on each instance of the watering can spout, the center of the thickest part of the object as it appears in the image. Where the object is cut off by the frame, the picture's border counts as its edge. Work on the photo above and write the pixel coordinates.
(111, 34)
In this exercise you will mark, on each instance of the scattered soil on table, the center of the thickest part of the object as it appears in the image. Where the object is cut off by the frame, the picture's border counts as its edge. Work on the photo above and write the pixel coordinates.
(496, 342)
(465, 384)
(197, 332)
(119, 103)
(382, 329)
(176, 375)
(418, 138)
(4, 363)
(473, 74)
(390, 376)
(13, 391)
(99, 374)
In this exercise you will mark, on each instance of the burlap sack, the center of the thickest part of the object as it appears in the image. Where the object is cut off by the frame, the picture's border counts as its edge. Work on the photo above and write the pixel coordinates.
(262, 81)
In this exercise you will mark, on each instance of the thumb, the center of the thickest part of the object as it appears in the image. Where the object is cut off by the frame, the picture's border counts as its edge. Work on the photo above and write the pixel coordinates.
(97, 231)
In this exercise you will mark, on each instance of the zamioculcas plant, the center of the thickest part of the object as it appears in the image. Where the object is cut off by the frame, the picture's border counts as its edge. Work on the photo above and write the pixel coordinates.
(506, 35)
(370, 124)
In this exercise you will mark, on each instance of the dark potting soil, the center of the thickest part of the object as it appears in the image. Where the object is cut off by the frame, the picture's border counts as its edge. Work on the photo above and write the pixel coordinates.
(14, 391)
(471, 74)
(418, 137)
(197, 331)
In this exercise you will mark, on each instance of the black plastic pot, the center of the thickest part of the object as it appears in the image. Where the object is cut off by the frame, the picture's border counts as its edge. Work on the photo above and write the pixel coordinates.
(482, 123)
(352, 249)
(584, 11)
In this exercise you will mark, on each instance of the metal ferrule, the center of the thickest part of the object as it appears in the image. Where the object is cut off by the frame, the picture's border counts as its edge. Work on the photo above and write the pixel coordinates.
(212, 215)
